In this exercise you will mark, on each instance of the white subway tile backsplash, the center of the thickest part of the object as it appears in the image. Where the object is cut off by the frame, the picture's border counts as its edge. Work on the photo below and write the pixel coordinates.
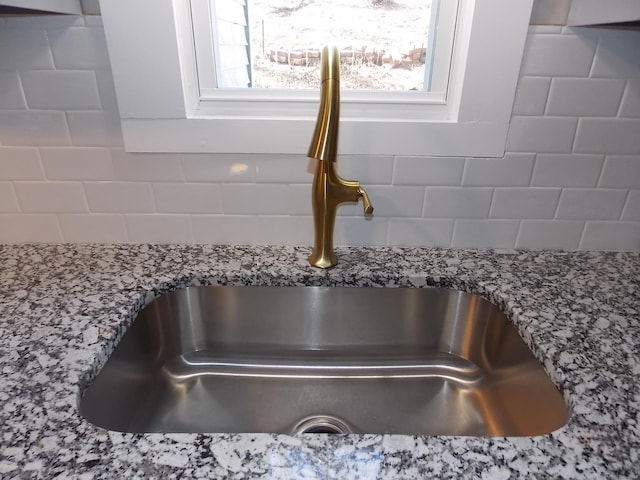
(218, 168)
(621, 172)
(60, 90)
(94, 128)
(611, 236)
(119, 197)
(591, 204)
(360, 231)
(227, 229)
(630, 106)
(77, 163)
(428, 171)
(106, 90)
(503, 202)
(558, 55)
(266, 199)
(187, 198)
(20, 163)
(608, 136)
(282, 168)
(159, 228)
(93, 228)
(8, 200)
(147, 167)
(550, 234)
(253, 229)
(595, 97)
(33, 127)
(392, 201)
(51, 197)
(285, 230)
(24, 48)
(567, 170)
(485, 233)
(457, 202)
(79, 48)
(618, 55)
(531, 96)
(514, 169)
(541, 134)
(632, 207)
(367, 169)
(420, 232)
(93, 20)
(524, 202)
(11, 94)
(29, 228)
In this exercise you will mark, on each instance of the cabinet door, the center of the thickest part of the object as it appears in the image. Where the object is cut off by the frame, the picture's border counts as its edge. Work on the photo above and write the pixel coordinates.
(57, 6)
(598, 12)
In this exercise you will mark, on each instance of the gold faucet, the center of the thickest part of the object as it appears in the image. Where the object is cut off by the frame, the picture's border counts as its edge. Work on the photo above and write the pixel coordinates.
(329, 189)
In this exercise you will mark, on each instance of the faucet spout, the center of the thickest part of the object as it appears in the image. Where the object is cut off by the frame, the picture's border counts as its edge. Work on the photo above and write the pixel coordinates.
(324, 143)
(329, 190)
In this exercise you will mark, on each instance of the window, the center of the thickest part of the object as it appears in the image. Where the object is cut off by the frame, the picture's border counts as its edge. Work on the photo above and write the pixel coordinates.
(221, 60)
(254, 45)
(169, 99)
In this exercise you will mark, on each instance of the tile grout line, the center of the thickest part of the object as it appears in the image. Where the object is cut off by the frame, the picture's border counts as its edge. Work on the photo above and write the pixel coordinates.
(582, 235)
(624, 206)
(622, 98)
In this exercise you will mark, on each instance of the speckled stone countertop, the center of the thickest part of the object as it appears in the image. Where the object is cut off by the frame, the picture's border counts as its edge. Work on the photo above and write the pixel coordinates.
(64, 307)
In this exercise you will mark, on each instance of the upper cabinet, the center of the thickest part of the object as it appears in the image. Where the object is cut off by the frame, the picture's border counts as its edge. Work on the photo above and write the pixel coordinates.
(599, 12)
(53, 6)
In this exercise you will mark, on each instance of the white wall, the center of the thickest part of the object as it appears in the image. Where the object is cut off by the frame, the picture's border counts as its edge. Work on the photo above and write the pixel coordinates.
(570, 179)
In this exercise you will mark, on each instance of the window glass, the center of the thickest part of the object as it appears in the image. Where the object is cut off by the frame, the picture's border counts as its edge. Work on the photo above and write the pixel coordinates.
(384, 44)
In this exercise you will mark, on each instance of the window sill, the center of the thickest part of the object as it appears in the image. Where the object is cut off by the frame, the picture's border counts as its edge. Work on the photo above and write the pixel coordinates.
(292, 136)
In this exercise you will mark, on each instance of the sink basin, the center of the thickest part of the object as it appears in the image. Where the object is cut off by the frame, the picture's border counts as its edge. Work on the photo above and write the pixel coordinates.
(323, 359)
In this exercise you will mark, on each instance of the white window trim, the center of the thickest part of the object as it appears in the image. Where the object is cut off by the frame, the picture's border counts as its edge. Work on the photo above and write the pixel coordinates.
(151, 62)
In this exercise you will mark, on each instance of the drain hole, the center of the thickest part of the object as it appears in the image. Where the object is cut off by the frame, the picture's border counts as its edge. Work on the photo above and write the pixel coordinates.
(321, 424)
(323, 429)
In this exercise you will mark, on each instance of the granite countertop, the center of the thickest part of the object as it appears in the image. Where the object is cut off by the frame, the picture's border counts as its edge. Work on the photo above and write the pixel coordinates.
(64, 307)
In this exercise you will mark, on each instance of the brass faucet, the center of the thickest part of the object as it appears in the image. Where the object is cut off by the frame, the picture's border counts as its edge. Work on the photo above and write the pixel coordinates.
(329, 189)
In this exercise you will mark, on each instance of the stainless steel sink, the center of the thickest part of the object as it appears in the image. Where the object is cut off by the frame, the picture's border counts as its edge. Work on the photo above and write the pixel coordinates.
(323, 359)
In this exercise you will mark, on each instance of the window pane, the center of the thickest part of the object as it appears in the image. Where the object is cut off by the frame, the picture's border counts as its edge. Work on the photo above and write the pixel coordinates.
(383, 43)
(230, 20)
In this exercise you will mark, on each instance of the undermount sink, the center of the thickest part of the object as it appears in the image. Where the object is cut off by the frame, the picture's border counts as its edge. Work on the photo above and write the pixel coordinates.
(323, 359)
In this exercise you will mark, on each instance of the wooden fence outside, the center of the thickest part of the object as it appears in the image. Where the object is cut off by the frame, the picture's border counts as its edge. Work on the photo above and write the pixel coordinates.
(351, 56)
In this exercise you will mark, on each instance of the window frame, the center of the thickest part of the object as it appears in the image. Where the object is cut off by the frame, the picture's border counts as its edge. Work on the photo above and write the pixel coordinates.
(207, 101)
(206, 48)
(153, 65)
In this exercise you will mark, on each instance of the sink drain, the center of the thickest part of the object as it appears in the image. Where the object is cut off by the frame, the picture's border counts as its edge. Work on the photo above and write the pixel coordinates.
(321, 424)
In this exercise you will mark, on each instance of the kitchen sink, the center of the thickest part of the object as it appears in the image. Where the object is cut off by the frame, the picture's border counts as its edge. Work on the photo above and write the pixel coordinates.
(429, 361)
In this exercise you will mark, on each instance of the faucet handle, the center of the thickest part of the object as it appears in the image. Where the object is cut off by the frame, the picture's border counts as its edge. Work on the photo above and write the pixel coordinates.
(366, 203)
